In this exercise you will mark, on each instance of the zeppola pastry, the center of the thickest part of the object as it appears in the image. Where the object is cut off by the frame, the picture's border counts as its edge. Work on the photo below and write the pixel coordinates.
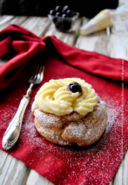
(68, 111)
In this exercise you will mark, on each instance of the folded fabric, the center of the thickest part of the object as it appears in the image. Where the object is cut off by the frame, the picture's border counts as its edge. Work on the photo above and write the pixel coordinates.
(25, 45)
(74, 165)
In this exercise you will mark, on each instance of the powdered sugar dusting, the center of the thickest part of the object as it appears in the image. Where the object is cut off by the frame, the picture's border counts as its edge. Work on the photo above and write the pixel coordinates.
(113, 110)
(77, 156)
(30, 132)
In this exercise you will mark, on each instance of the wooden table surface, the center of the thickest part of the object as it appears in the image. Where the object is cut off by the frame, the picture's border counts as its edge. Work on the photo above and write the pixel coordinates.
(115, 44)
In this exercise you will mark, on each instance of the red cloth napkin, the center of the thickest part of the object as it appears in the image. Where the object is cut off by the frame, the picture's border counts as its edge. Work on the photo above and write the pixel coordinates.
(93, 165)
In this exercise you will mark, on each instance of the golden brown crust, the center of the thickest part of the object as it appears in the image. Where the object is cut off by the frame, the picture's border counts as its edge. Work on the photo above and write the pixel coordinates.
(72, 128)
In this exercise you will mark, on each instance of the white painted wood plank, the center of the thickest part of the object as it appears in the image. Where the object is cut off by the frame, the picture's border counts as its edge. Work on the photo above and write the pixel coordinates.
(35, 179)
(90, 42)
(18, 20)
(121, 178)
(12, 171)
(118, 46)
(114, 45)
(11, 20)
(3, 157)
(4, 19)
(37, 25)
(125, 170)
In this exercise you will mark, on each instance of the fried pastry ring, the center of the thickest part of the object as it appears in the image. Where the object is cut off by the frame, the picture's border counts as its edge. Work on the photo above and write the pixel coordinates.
(72, 128)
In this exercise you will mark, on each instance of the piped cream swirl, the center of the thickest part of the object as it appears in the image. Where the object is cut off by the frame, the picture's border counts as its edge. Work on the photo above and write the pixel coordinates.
(55, 97)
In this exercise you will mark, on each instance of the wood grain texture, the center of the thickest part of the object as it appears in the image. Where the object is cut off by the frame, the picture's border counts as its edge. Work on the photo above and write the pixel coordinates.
(37, 25)
(12, 171)
(121, 177)
(5, 21)
(35, 179)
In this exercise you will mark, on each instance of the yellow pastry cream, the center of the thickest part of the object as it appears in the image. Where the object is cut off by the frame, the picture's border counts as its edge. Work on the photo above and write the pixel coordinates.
(64, 96)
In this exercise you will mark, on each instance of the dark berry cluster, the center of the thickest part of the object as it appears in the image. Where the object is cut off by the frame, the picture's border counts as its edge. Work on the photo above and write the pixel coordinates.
(62, 17)
(61, 11)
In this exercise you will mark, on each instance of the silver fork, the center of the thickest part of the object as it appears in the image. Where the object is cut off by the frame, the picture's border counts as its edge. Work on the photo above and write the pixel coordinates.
(13, 131)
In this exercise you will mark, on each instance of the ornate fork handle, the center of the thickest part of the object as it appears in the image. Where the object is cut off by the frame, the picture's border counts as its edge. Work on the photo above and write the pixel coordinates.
(13, 131)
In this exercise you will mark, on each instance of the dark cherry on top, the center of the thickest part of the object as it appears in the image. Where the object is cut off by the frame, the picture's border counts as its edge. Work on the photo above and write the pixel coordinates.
(75, 87)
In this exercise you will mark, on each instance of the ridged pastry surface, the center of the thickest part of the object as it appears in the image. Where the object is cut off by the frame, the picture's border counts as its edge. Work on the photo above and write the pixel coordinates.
(55, 97)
